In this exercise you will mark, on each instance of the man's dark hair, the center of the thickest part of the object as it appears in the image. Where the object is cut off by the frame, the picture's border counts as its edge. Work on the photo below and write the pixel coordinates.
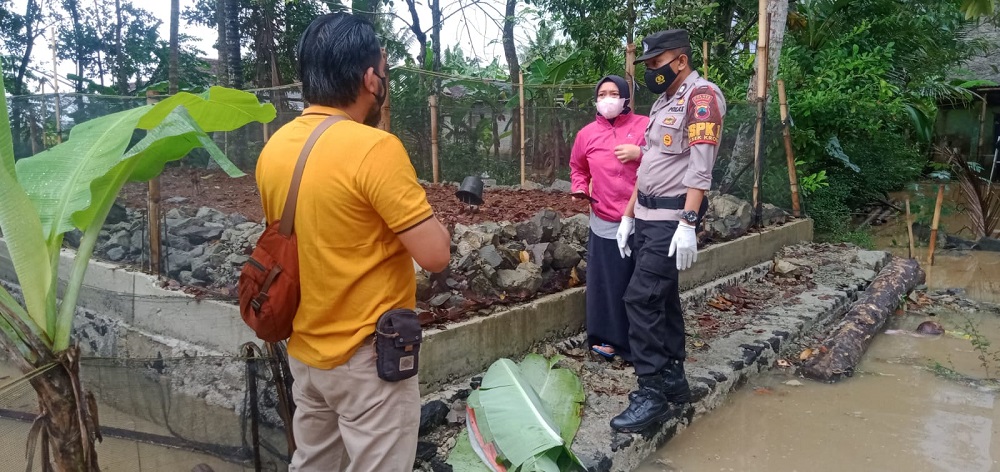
(686, 50)
(334, 53)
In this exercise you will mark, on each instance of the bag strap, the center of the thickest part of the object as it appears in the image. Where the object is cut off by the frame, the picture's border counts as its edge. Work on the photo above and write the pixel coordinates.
(288, 214)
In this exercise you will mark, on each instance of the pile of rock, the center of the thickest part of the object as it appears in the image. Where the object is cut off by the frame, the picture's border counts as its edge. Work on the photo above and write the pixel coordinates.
(207, 248)
(729, 218)
(509, 259)
(202, 247)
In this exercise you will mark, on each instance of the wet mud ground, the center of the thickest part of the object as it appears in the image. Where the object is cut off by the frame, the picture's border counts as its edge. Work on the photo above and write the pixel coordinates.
(916, 404)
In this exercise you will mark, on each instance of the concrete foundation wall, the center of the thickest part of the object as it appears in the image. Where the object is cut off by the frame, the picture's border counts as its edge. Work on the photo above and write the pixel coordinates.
(142, 309)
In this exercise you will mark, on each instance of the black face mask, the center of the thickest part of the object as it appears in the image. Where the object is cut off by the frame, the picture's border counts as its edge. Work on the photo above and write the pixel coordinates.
(659, 80)
(375, 114)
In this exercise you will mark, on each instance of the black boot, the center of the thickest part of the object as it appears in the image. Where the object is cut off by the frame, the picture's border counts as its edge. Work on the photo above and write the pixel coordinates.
(675, 384)
(648, 406)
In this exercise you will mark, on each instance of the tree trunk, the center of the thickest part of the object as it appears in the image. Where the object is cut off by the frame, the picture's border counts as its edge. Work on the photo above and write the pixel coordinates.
(418, 33)
(845, 347)
(234, 57)
(172, 73)
(67, 413)
(30, 19)
(222, 44)
(70, 425)
(73, 8)
(121, 80)
(742, 155)
(436, 37)
(510, 50)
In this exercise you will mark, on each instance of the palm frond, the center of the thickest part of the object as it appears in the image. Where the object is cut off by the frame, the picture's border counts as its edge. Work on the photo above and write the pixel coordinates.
(981, 197)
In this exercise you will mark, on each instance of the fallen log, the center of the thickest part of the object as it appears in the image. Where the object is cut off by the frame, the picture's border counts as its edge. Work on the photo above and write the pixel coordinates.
(844, 348)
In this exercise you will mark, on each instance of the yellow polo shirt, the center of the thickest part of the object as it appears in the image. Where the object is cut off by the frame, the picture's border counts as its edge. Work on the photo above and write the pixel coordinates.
(359, 190)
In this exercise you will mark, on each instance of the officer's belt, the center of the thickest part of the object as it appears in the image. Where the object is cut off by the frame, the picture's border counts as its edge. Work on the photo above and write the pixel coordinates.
(662, 203)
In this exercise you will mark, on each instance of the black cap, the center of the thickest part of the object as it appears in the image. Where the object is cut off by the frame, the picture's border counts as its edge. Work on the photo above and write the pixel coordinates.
(656, 43)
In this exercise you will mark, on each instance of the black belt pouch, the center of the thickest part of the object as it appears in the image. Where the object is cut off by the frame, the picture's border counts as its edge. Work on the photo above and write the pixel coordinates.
(397, 345)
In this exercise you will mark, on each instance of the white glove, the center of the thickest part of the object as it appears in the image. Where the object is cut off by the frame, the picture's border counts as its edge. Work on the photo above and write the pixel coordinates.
(685, 245)
(625, 228)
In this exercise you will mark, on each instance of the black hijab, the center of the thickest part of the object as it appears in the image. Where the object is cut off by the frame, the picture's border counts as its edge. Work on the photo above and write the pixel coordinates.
(623, 90)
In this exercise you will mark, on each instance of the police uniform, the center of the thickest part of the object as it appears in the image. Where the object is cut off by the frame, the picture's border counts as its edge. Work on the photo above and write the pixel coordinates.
(681, 148)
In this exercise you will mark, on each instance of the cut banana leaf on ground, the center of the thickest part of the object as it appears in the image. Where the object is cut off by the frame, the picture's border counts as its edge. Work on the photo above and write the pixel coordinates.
(512, 427)
(560, 390)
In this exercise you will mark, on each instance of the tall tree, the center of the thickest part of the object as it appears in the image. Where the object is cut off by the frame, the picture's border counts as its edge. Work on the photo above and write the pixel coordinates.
(79, 50)
(32, 19)
(234, 58)
(222, 44)
(510, 51)
(175, 16)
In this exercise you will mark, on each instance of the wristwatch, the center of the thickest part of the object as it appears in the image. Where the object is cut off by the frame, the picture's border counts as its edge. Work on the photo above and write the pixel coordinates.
(690, 217)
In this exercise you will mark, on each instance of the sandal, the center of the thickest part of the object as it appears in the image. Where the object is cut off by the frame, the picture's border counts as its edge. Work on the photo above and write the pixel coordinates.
(603, 350)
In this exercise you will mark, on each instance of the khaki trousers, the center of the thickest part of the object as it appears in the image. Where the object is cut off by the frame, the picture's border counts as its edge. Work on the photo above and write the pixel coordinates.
(348, 419)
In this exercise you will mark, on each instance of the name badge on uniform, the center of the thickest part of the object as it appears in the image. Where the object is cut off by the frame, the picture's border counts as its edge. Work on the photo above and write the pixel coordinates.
(676, 109)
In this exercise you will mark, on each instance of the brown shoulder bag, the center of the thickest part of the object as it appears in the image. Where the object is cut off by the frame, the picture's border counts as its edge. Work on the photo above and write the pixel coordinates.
(269, 282)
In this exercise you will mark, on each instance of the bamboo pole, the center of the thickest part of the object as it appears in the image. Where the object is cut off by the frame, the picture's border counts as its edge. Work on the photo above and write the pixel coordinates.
(383, 123)
(704, 59)
(435, 165)
(630, 71)
(789, 152)
(909, 230)
(153, 211)
(762, 38)
(520, 79)
(934, 224)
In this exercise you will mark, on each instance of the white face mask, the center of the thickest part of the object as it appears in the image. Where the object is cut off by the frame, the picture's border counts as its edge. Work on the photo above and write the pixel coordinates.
(610, 107)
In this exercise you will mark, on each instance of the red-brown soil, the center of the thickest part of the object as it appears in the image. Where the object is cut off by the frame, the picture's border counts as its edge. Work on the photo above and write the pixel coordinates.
(213, 188)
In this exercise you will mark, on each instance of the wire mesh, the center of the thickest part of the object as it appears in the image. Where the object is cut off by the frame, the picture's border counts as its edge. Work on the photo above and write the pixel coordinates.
(159, 414)
(478, 133)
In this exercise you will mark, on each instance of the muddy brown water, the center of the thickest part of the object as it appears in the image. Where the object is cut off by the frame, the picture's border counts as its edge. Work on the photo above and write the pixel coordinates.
(896, 414)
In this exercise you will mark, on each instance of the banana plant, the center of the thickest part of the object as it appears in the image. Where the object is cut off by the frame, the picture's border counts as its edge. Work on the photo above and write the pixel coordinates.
(73, 186)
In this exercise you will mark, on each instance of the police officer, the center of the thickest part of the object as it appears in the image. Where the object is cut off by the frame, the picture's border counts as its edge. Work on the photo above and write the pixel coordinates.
(682, 142)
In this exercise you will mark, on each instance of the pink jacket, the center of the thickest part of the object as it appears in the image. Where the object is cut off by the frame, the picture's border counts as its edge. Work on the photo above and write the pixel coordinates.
(593, 161)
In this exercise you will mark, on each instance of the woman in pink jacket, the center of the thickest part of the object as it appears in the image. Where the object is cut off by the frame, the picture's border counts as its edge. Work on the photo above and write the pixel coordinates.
(603, 165)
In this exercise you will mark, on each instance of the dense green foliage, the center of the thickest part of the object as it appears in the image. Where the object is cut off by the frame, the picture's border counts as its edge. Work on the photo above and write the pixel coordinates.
(864, 78)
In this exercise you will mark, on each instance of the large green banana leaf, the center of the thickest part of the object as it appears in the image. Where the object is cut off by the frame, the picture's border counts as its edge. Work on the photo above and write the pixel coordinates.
(218, 109)
(560, 390)
(22, 232)
(520, 425)
(75, 183)
(171, 140)
(58, 180)
(463, 458)
(530, 412)
(523, 430)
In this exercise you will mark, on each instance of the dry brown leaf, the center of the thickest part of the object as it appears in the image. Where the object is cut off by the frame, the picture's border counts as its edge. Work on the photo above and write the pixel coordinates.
(574, 279)
(763, 391)
(805, 354)
(524, 256)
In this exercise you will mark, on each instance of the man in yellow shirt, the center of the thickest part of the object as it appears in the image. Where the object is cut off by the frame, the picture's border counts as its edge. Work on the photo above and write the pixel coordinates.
(362, 220)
